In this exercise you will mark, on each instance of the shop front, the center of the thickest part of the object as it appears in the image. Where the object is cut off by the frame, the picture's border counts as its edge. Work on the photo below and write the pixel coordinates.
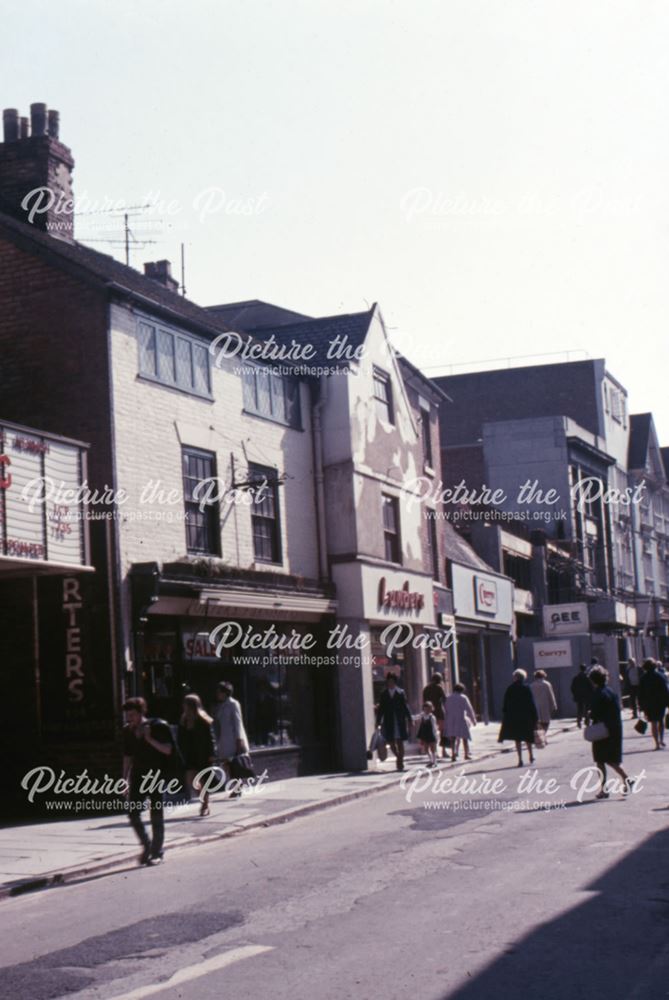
(483, 606)
(264, 634)
(389, 616)
(58, 690)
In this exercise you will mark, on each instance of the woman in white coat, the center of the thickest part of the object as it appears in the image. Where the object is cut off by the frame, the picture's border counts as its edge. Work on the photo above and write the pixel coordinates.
(458, 717)
(544, 699)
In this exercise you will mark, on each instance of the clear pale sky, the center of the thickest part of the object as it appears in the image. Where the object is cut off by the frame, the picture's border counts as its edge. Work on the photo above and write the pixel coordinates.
(494, 174)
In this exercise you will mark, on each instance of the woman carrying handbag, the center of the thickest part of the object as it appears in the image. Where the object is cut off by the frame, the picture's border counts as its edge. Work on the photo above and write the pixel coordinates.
(606, 731)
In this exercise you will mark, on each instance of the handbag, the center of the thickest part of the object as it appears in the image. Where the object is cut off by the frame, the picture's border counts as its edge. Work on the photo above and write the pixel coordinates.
(641, 726)
(241, 766)
(539, 738)
(378, 744)
(595, 732)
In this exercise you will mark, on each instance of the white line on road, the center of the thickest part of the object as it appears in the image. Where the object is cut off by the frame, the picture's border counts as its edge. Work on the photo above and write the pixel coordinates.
(196, 971)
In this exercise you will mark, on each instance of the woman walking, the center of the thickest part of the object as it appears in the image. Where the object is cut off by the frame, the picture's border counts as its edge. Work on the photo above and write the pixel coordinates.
(195, 737)
(458, 717)
(654, 699)
(544, 699)
(519, 716)
(605, 708)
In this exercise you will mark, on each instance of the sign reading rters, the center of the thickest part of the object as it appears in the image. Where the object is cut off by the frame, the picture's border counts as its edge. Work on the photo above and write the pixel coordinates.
(485, 595)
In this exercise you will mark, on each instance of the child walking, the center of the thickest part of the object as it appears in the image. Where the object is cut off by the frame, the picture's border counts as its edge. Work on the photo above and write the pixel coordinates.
(428, 733)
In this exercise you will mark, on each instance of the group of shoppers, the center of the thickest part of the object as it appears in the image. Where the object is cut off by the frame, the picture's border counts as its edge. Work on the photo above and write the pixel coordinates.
(445, 722)
(151, 752)
(527, 710)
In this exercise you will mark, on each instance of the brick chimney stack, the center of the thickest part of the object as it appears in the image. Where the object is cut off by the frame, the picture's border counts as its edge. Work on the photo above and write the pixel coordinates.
(161, 271)
(36, 172)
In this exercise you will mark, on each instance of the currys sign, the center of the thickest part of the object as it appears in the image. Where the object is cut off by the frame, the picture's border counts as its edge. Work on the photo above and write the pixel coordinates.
(485, 595)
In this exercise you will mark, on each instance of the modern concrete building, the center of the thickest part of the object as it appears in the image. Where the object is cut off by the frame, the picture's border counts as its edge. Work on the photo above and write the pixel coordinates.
(558, 446)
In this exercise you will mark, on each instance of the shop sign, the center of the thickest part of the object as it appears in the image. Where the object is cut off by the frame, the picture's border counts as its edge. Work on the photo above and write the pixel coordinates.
(198, 648)
(552, 654)
(485, 591)
(403, 599)
(33, 526)
(565, 619)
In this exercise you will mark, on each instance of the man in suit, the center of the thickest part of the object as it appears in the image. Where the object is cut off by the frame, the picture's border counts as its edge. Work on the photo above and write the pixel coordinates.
(393, 716)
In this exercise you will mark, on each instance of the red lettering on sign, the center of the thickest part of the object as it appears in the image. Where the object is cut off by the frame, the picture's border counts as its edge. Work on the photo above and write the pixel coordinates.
(404, 599)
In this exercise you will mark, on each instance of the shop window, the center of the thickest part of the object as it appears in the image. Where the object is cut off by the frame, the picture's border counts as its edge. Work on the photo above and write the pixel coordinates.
(391, 529)
(202, 519)
(265, 514)
(383, 396)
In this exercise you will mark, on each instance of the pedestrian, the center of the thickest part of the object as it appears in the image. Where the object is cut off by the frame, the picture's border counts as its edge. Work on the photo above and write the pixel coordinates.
(195, 738)
(428, 733)
(581, 692)
(147, 746)
(544, 699)
(654, 699)
(605, 708)
(633, 676)
(459, 717)
(231, 738)
(519, 716)
(394, 717)
(435, 692)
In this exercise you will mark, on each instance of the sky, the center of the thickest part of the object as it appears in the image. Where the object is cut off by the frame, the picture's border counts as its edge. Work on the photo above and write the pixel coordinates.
(494, 174)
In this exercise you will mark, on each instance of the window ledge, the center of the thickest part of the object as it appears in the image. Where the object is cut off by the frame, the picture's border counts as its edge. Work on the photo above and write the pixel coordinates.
(271, 420)
(153, 380)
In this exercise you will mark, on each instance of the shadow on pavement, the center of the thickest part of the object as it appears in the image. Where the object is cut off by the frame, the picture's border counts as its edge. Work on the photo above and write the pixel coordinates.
(614, 946)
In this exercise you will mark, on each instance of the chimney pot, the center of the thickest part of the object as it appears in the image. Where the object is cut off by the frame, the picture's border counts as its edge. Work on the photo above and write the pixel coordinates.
(10, 122)
(54, 123)
(24, 128)
(161, 271)
(38, 119)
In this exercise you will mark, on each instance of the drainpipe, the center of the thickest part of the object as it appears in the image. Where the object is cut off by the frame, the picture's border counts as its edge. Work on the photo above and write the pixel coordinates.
(319, 477)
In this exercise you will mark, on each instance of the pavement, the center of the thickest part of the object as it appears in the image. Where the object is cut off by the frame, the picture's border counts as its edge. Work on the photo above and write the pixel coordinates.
(39, 855)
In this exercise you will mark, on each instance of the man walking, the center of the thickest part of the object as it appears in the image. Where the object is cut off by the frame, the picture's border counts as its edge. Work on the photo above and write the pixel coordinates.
(231, 738)
(581, 692)
(394, 718)
(147, 745)
(633, 678)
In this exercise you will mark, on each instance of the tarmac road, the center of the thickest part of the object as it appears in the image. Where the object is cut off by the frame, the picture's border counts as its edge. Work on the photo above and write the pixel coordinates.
(494, 896)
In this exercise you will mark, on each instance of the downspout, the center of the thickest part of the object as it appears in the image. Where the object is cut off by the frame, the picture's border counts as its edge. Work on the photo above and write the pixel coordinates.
(319, 478)
(113, 548)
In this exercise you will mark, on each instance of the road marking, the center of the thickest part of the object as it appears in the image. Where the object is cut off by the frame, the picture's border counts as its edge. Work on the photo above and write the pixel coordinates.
(196, 971)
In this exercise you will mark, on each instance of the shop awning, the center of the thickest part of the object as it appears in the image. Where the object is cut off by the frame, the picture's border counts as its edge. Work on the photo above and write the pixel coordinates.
(19, 568)
(246, 604)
